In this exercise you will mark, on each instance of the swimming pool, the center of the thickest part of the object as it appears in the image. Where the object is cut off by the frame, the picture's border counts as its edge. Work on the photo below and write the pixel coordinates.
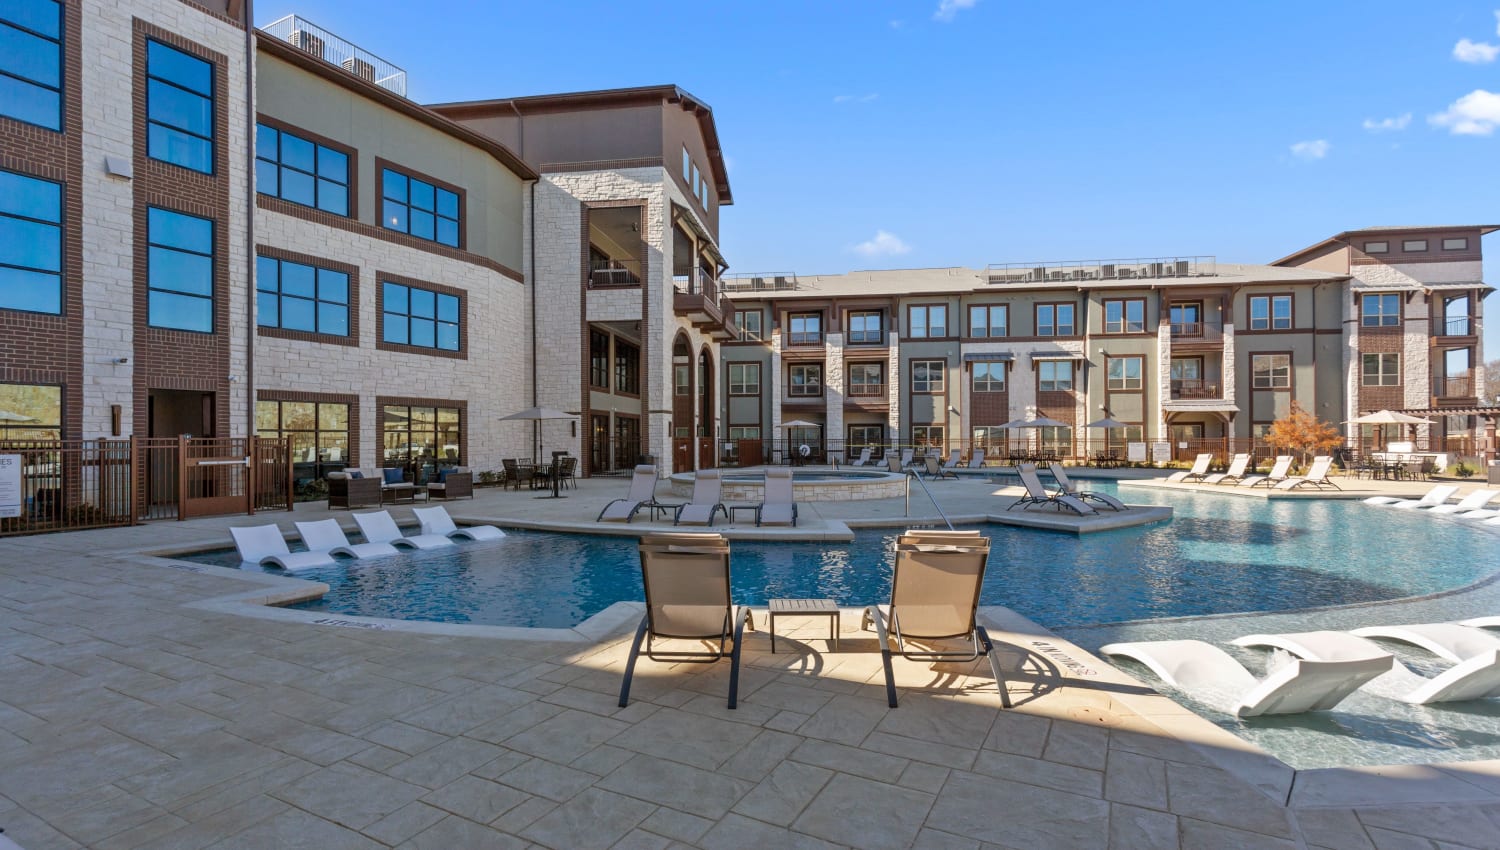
(1219, 555)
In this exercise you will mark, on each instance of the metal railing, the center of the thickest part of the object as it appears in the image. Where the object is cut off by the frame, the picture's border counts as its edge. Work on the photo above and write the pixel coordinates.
(1456, 326)
(311, 38)
(865, 390)
(1084, 270)
(697, 282)
(760, 282)
(1187, 333)
(1192, 388)
(604, 276)
(68, 485)
(1460, 387)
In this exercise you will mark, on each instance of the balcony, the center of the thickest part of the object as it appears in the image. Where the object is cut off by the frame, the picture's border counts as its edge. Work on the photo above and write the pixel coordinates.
(311, 38)
(1453, 389)
(866, 390)
(612, 275)
(1197, 335)
(1189, 389)
(696, 298)
(1140, 268)
(1453, 326)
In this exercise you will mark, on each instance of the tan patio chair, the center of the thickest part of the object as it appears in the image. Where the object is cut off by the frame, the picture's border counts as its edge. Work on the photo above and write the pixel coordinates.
(642, 493)
(686, 577)
(780, 506)
(934, 598)
(707, 500)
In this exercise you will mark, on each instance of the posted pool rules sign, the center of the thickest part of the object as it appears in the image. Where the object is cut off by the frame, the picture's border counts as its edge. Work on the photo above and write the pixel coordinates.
(10, 485)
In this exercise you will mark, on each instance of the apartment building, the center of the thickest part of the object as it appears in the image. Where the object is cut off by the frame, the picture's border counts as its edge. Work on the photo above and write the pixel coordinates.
(1179, 349)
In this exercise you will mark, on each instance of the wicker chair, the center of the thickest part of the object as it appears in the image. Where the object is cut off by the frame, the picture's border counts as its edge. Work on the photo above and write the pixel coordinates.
(457, 484)
(346, 492)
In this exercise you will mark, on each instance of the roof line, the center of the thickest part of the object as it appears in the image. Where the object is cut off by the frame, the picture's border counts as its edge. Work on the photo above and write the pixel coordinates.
(1484, 230)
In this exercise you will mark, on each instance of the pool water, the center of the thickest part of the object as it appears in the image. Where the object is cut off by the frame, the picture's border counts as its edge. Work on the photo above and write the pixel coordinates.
(1220, 554)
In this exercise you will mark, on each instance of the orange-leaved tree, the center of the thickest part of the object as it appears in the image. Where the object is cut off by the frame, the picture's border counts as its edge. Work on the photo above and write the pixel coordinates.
(1301, 432)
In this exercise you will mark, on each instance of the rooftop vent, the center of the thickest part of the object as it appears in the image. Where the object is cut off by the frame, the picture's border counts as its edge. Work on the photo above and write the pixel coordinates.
(307, 36)
(1081, 270)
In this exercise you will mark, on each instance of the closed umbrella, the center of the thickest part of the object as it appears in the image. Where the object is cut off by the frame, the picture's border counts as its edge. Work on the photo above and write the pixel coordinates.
(538, 415)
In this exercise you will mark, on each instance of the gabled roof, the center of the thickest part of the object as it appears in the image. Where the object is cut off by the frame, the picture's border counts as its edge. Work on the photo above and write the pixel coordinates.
(1384, 229)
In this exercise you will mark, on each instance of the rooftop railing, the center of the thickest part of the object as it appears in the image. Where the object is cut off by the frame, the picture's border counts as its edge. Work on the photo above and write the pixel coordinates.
(1085, 270)
(311, 38)
(760, 282)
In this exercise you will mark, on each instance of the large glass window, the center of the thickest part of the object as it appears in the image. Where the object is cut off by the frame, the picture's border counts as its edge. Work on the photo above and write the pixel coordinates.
(928, 376)
(864, 328)
(599, 360)
(1054, 375)
(179, 108)
(1382, 370)
(425, 437)
(31, 62)
(864, 436)
(749, 322)
(805, 329)
(744, 379)
(301, 297)
(988, 320)
(806, 380)
(30, 244)
(682, 380)
(989, 377)
(36, 412)
(1270, 312)
(1124, 373)
(1270, 371)
(1187, 318)
(1056, 440)
(627, 368)
(180, 271)
(319, 433)
(866, 379)
(927, 321)
(1379, 310)
(420, 317)
(1127, 316)
(927, 436)
(292, 168)
(417, 207)
(1054, 320)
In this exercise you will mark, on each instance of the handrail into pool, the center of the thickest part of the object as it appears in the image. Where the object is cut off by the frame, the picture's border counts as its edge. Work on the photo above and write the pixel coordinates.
(911, 475)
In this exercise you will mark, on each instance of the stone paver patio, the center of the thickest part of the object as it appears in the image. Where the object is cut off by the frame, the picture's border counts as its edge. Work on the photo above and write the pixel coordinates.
(130, 719)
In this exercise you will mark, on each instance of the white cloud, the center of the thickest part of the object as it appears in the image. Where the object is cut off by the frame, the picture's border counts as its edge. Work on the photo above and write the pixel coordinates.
(1315, 149)
(856, 98)
(897, 24)
(884, 244)
(1475, 52)
(1475, 114)
(1388, 125)
(947, 10)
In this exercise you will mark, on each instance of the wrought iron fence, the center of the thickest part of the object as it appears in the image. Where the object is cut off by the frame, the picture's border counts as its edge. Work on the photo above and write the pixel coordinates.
(69, 484)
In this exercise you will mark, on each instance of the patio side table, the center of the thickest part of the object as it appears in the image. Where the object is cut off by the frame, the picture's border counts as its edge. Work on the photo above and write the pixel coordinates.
(806, 608)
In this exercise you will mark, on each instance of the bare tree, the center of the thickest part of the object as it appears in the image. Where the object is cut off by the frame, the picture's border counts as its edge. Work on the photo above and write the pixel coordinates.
(1492, 381)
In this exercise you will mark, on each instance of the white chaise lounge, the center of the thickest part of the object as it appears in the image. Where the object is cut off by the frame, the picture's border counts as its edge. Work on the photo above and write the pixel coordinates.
(1278, 474)
(435, 520)
(1036, 494)
(1295, 687)
(1450, 641)
(263, 544)
(1199, 470)
(1469, 505)
(326, 535)
(1476, 678)
(1436, 496)
(378, 527)
(1317, 476)
(1234, 474)
(1066, 486)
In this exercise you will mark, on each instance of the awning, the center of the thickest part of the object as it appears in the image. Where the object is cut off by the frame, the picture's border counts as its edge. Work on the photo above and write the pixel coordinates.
(689, 218)
(1057, 355)
(989, 357)
(1209, 405)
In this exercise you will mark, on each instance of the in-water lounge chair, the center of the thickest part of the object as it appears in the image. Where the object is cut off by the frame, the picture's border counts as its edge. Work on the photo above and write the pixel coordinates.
(263, 544)
(1198, 472)
(1450, 641)
(1036, 494)
(934, 598)
(686, 577)
(642, 493)
(435, 520)
(325, 535)
(707, 500)
(1066, 487)
(1233, 475)
(1436, 496)
(1278, 474)
(1317, 476)
(1469, 505)
(1295, 687)
(1476, 678)
(378, 527)
(780, 506)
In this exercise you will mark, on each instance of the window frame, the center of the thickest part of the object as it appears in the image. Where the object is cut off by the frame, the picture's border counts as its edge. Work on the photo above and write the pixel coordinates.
(1272, 373)
(213, 108)
(1384, 247)
(744, 386)
(802, 389)
(928, 385)
(626, 362)
(746, 333)
(807, 338)
(1271, 299)
(383, 166)
(384, 429)
(864, 333)
(1463, 243)
(7, 426)
(1057, 385)
(319, 145)
(438, 292)
(351, 409)
(1125, 383)
(213, 271)
(927, 321)
(863, 366)
(1055, 325)
(1383, 377)
(351, 285)
(62, 249)
(989, 321)
(1124, 325)
(923, 435)
(989, 383)
(1380, 314)
(60, 90)
(1406, 246)
(599, 360)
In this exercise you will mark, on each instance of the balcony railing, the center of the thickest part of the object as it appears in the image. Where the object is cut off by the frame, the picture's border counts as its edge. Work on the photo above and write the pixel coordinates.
(1193, 388)
(1082, 270)
(604, 276)
(866, 390)
(697, 282)
(760, 282)
(1460, 387)
(1189, 333)
(1456, 326)
(311, 38)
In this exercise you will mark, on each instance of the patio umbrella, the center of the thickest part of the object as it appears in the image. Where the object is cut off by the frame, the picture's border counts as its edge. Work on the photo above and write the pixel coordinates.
(1039, 422)
(538, 415)
(1388, 417)
(799, 423)
(7, 416)
(1106, 422)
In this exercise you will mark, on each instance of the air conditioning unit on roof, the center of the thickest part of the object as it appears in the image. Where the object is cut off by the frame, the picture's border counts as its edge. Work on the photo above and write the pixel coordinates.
(359, 68)
(304, 40)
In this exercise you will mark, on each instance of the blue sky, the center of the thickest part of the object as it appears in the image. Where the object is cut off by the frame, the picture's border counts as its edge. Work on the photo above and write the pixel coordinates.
(978, 131)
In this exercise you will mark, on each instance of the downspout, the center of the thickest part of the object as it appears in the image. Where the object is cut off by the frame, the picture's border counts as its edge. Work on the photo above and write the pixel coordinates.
(536, 434)
(250, 323)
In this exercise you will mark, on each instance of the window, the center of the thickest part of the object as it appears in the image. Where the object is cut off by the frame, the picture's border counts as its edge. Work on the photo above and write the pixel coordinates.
(1187, 368)
(989, 377)
(419, 317)
(927, 436)
(1459, 244)
(627, 368)
(928, 376)
(1380, 310)
(988, 320)
(805, 329)
(1054, 375)
(598, 360)
(39, 408)
(180, 271)
(866, 379)
(1124, 373)
(744, 432)
(319, 433)
(749, 322)
(807, 380)
(1414, 246)
(687, 164)
(428, 436)
(989, 438)
(744, 379)
(419, 208)
(1054, 320)
(1057, 440)
(1270, 371)
(1187, 318)
(1270, 312)
(864, 328)
(928, 321)
(865, 436)
(1377, 247)
(1382, 370)
(31, 62)
(301, 297)
(1125, 317)
(681, 380)
(30, 244)
(303, 172)
(179, 108)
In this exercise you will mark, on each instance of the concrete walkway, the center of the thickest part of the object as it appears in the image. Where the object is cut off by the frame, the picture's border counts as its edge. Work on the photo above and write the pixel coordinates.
(130, 719)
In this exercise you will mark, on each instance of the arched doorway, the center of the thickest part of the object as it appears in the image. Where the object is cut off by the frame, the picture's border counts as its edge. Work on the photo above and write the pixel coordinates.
(683, 394)
(705, 430)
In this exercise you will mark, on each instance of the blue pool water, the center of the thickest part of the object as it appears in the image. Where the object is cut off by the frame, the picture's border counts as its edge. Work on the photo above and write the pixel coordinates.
(1219, 555)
